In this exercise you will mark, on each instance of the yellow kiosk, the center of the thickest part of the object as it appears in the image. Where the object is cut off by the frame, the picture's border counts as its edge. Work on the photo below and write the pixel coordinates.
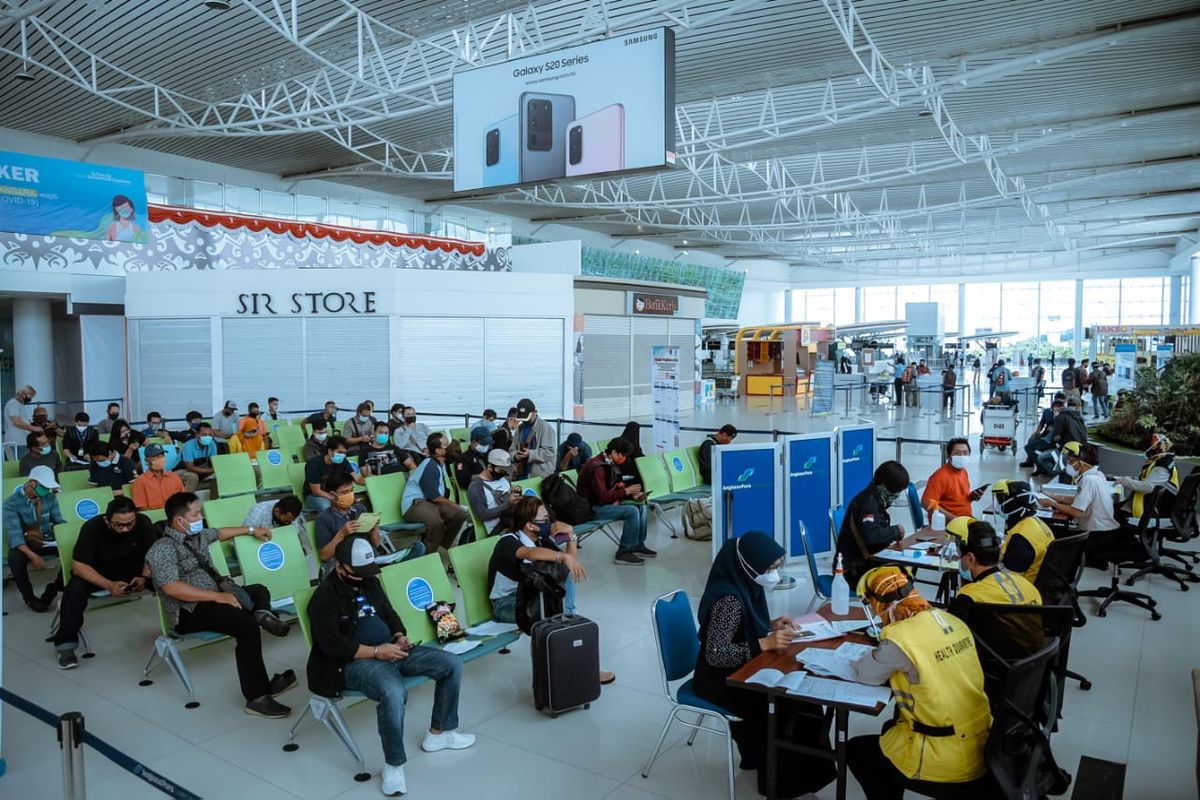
(777, 359)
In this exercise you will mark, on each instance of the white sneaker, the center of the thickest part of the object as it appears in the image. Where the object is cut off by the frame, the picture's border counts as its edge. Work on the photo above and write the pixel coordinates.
(392, 780)
(452, 740)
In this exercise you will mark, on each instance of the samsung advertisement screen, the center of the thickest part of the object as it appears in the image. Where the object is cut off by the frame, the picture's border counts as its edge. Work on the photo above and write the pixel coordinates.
(597, 108)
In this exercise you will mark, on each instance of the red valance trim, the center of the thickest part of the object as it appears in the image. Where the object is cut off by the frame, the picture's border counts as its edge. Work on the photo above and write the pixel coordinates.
(302, 230)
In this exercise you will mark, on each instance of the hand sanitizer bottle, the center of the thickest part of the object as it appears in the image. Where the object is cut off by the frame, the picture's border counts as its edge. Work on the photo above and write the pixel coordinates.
(937, 520)
(840, 590)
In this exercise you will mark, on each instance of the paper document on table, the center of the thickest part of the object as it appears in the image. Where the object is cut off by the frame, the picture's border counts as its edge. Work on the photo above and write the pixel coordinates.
(834, 691)
(850, 625)
(839, 663)
(777, 679)
(815, 632)
(460, 647)
(492, 628)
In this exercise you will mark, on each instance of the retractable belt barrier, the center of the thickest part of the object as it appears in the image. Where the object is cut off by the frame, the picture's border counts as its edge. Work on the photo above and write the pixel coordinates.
(72, 734)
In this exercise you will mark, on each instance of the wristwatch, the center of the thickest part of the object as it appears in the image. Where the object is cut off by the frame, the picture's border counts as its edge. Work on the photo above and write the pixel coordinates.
(250, 529)
(573, 538)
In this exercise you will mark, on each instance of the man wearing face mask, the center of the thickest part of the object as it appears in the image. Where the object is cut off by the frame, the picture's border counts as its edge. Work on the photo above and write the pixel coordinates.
(949, 487)
(156, 485)
(41, 419)
(380, 456)
(327, 415)
(1026, 536)
(601, 485)
(191, 422)
(533, 446)
(340, 521)
(17, 422)
(224, 425)
(425, 500)
(985, 580)
(359, 643)
(1159, 470)
(198, 453)
(413, 436)
(359, 430)
(39, 453)
(491, 495)
(867, 527)
(317, 472)
(474, 459)
(109, 468)
(196, 598)
(77, 440)
(30, 514)
(156, 427)
(314, 445)
(110, 555)
(112, 414)
(1039, 440)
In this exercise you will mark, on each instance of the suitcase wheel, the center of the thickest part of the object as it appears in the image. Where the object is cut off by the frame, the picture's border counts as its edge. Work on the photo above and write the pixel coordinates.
(586, 706)
(553, 715)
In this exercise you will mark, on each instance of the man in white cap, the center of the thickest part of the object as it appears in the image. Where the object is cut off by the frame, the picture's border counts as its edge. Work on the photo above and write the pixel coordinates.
(30, 514)
(360, 643)
(490, 493)
(534, 444)
(225, 422)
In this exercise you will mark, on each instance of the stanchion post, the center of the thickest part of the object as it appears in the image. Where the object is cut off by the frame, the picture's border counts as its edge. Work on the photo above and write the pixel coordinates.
(70, 740)
(899, 448)
(557, 433)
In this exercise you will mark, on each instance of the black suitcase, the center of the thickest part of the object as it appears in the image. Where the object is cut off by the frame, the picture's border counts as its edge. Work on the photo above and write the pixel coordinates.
(566, 663)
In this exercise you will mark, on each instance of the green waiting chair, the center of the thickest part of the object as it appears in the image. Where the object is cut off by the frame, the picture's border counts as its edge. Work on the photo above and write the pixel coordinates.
(84, 504)
(684, 473)
(470, 562)
(273, 471)
(385, 493)
(75, 480)
(289, 439)
(296, 479)
(657, 485)
(228, 512)
(10, 469)
(278, 564)
(411, 586)
(234, 474)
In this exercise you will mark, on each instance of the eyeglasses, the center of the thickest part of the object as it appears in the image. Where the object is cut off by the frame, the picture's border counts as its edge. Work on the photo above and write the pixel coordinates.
(122, 526)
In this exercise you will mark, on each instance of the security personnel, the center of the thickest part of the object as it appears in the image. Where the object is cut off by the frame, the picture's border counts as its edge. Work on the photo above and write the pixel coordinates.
(867, 528)
(1159, 470)
(1026, 535)
(935, 745)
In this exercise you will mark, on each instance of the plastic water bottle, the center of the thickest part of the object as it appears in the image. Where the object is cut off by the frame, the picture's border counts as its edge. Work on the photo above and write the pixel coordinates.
(840, 590)
(937, 520)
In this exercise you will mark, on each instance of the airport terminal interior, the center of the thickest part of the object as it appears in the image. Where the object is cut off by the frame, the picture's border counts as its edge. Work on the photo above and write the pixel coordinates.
(601, 399)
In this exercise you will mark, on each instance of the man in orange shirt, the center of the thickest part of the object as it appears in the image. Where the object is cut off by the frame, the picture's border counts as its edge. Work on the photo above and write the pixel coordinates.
(152, 488)
(949, 488)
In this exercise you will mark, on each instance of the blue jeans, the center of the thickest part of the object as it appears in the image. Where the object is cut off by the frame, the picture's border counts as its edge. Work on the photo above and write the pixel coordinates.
(317, 504)
(1100, 405)
(383, 682)
(504, 609)
(633, 532)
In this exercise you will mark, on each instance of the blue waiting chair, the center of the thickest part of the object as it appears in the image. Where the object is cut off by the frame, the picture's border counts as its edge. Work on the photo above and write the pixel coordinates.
(678, 645)
(822, 582)
(915, 508)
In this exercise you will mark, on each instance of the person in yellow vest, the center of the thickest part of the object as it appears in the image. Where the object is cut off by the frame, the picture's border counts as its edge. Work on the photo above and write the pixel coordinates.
(986, 580)
(1159, 470)
(1026, 535)
(935, 744)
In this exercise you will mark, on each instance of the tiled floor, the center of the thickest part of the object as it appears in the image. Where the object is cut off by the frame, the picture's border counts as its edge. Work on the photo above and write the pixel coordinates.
(1140, 710)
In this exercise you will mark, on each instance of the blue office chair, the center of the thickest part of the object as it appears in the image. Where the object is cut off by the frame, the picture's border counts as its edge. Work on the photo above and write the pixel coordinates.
(822, 582)
(915, 508)
(678, 645)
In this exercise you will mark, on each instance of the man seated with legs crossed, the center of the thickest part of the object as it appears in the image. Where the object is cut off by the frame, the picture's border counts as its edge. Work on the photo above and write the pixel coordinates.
(196, 598)
(110, 555)
(359, 643)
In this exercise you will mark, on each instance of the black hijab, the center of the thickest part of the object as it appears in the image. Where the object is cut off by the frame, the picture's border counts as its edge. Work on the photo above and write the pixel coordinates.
(733, 572)
(633, 435)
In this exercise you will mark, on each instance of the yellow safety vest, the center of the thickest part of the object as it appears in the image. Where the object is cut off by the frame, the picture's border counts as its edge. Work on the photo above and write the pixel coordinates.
(943, 720)
(1139, 498)
(1004, 588)
(1038, 534)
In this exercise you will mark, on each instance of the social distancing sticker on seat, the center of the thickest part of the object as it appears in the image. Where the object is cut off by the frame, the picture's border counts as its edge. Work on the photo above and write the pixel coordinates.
(420, 593)
(274, 457)
(87, 508)
(270, 556)
(677, 463)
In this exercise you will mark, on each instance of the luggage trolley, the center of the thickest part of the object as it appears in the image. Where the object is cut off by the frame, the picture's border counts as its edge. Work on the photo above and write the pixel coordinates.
(999, 427)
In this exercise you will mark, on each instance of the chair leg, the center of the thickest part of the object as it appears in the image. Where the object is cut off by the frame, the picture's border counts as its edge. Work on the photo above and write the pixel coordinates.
(729, 764)
(333, 720)
(1084, 683)
(174, 660)
(299, 726)
(696, 730)
(151, 663)
(661, 738)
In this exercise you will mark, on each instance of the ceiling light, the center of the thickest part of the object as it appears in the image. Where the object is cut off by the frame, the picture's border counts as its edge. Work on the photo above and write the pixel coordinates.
(637, 252)
(924, 112)
(685, 252)
(217, 5)
(23, 75)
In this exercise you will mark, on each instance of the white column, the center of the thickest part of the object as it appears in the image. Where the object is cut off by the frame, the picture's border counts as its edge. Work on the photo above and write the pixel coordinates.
(962, 310)
(1194, 301)
(33, 353)
(1175, 301)
(858, 305)
(787, 306)
(1078, 337)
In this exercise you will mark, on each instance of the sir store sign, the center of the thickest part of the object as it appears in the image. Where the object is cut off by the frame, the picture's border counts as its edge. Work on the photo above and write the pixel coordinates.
(306, 303)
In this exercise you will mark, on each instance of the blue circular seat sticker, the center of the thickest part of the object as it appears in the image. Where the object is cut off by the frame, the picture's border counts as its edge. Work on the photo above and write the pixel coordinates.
(87, 508)
(274, 457)
(677, 462)
(420, 593)
(270, 555)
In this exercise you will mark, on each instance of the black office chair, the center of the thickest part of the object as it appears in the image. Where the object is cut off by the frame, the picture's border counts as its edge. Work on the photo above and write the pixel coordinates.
(1018, 748)
(1151, 538)
(1058, 582)
(1005, 634)
(1185, 524)
(1124, 551)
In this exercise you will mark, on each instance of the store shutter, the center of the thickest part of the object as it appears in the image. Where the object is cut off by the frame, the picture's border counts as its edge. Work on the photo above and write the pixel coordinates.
(606, 368)
(441, 366)
(524, 358)
(647, 333)
(261, 358)
(346, 360)
(170, 366)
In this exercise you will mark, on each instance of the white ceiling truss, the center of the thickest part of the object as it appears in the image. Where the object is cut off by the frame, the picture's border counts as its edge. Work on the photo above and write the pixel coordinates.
(829, 161)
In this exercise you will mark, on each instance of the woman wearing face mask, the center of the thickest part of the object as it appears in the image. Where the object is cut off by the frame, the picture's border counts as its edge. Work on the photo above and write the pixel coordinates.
(867, 527)
(735, 626)
(125, 441)
(249, 437)
(949, 487)
(123, 227)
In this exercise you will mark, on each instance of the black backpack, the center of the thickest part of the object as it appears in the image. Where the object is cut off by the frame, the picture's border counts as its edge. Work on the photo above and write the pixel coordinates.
(564, 501)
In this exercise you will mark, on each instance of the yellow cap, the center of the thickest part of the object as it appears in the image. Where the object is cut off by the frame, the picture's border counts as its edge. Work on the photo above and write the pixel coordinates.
(1000, 486)
(874, 577)
(1072, 448)
(958, 527)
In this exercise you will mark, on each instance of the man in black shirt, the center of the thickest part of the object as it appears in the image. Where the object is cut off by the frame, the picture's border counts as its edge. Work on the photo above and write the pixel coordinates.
(318, 470)
(328, 415)
(110, 555)
(39, 453)
(724, 436)
(109, 468)
(867, 527)
(379, 456)
(474, 460)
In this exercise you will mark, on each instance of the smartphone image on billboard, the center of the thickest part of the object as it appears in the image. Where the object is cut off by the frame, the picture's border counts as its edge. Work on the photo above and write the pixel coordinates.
(543, 123)
(596, 142)
(501, 152)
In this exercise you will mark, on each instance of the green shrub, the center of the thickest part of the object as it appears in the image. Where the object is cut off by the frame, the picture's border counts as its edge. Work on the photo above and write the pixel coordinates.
(1168, 401)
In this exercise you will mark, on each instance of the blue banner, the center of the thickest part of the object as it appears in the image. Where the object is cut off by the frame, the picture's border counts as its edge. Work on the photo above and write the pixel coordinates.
(856, 450)
(810, 492)
(745, 491)
(52, 197)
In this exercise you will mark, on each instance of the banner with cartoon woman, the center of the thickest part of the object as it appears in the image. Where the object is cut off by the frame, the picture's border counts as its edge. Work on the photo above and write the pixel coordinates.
(53, 197)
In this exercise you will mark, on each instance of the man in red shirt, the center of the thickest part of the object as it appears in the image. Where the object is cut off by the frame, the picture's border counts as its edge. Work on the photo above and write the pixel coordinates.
(601, 485)
(949, 487)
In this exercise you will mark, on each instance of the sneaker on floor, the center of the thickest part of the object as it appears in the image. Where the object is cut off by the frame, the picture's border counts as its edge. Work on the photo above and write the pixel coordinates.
(267, 706)
(281, 682)
(628, 559)
(645, 552)
(447, 740)
(392, 781)
(67, 659)
(270, 622)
